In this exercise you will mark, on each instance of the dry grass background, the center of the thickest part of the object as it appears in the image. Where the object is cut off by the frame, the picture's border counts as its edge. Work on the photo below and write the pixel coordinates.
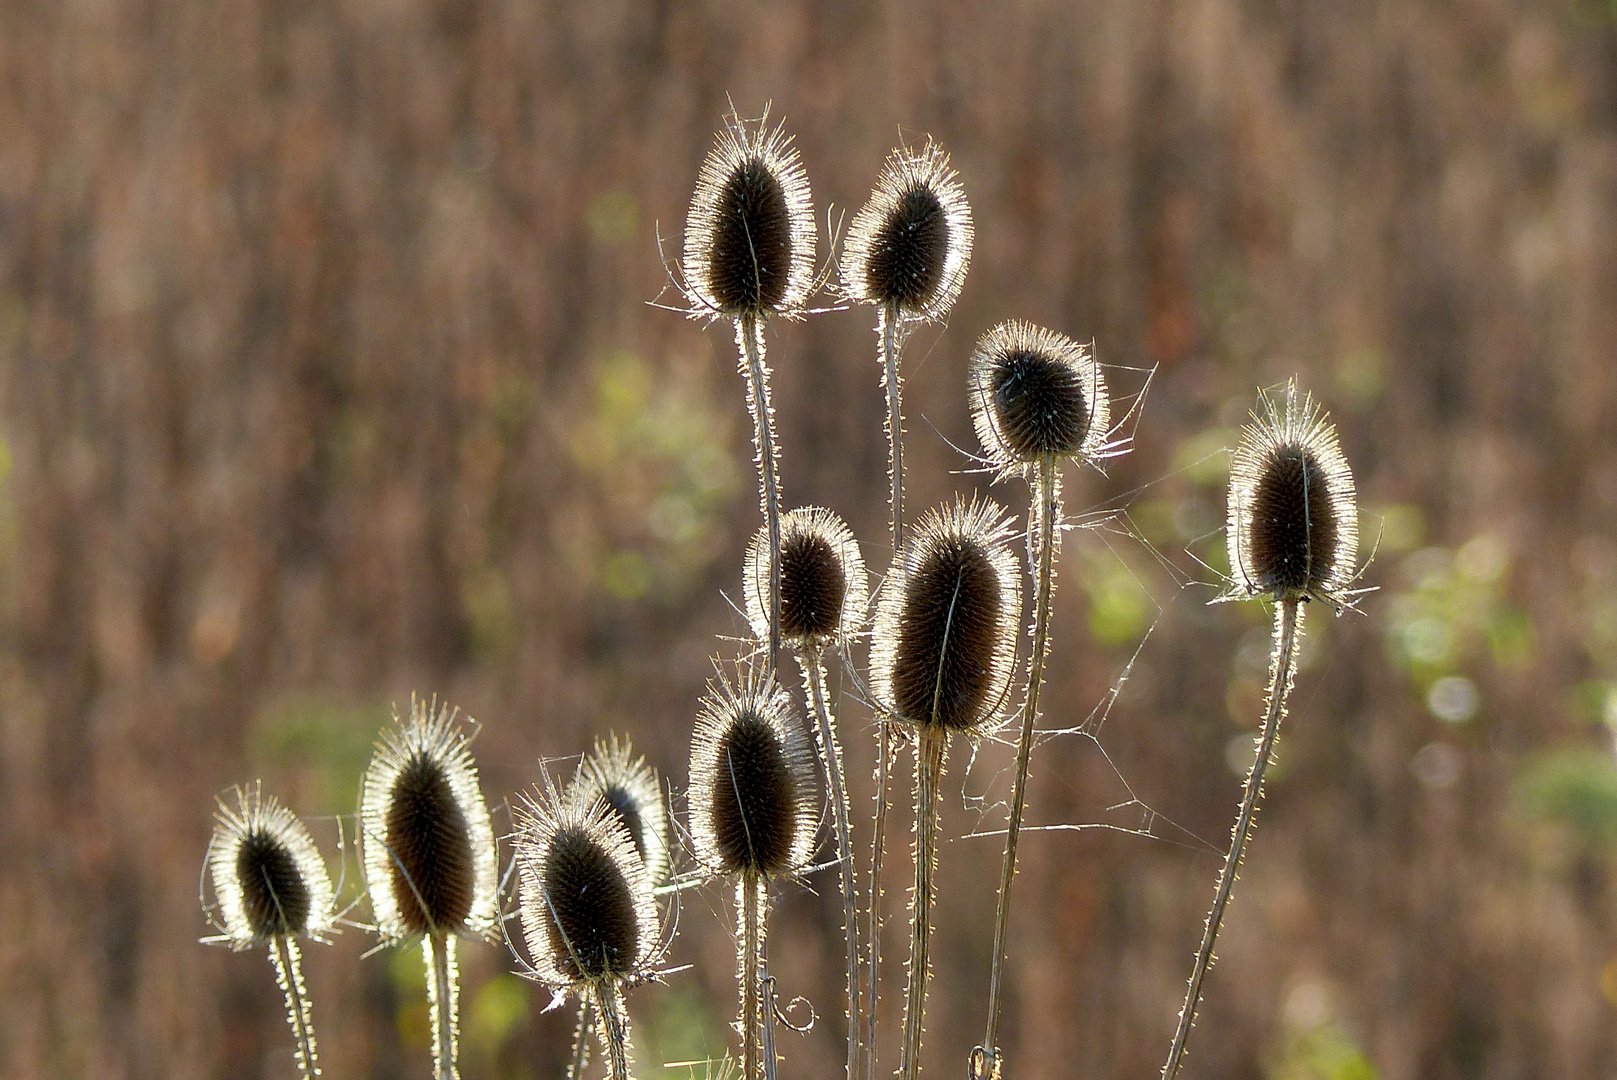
(326, 375)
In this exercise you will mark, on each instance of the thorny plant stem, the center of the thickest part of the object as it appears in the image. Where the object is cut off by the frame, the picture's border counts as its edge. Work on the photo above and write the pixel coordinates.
(929, 750)
(443, 993)
(581, 1040)
(831, 755)
(748, 909)
(1288, 622)
(1045, 511)
(614, 1027)
(766, 986)
(888, 319)
(749, 335)
(288, 963)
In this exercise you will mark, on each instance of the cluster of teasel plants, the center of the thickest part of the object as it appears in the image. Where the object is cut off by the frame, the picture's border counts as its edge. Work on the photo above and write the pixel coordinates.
(944, 630)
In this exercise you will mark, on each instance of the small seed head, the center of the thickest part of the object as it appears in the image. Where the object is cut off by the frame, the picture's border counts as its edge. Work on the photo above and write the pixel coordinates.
(753, 790)
(1036, 394)
(267, 874)
(910, 244)
(823, 585)
(426, 841)
(630, 790)
(944, 642)
(749, 235)
(1293, 529)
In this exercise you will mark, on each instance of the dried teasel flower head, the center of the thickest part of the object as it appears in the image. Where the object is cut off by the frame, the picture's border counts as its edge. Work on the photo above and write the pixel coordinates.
(630, 790)
(944, 641)
(584, 897)
(823, 584)
(1036, 394)
(910, 244)
(749, 234)
(753, 795)
(1293, 529)
(268, 876)
(425, 840)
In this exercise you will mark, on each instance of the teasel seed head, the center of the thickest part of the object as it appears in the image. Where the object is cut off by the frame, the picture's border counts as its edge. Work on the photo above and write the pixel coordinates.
(630, 790)
(944, 641)
(268, 877)
(1036, 394)
(823, 584)
(584, 898)
(749, 235)
(1293, 529)
(910, 244)
(753, 795)
(425, 841)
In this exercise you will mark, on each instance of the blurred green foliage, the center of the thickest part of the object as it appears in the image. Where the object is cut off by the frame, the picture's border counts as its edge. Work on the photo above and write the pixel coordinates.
(327, 745)
(1574, 787)
(1321, 1052)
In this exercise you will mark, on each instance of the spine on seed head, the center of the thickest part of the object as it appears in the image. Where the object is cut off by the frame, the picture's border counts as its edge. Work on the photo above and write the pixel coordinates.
(268, 877)
(909, 246)
(823, 583)
(1036, 395)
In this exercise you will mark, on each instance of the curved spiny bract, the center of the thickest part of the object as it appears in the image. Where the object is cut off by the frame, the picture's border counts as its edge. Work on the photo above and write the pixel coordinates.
(749, 234)
(753, 795)
(1036, 395)
(628, 787)
(425, 839)
(944, 642)
(268, 876)
(909, 246)
(1293, 529)
(823, 584)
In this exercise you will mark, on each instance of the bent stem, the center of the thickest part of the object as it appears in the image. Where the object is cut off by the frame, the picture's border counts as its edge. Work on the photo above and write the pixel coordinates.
(443, 999)
(581, 1040)
(831, 755)
(288, 963)
(614, 1027)
(749, 335)
(1282, 669)
(929, 750)
(1041, 531)
(749, 910)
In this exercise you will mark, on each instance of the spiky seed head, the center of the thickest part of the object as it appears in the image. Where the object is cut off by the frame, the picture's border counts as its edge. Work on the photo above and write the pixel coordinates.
(910, 244)
(1293, 529)
(1035, 394)
(944, 642)
(585, 900)
(268, 876)
(753, 791)
(823, 584)
(630, 790)
(425, 839)
(749, 235)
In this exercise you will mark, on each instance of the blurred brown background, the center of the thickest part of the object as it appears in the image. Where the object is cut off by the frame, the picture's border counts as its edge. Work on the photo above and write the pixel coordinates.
(327, 375)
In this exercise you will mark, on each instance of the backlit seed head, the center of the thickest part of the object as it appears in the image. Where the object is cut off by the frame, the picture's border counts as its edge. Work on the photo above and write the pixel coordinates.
(749, 235)
(910, 244)
(944, 643)
(823, 585)
(583, 895)
(1293, 520)
(753, 792)
(611, 775)
(268, 876)
(1035, 394)
(425, 839)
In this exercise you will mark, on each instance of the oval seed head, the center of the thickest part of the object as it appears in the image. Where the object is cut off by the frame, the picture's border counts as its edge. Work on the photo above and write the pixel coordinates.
(823, 585)
(1035, 394)
(749, 235)
(425, 839)
(753, 793)
(944, 642)
(910, 244)
(583, 895)
(1294, 524)
(632, 793)
(267, 874)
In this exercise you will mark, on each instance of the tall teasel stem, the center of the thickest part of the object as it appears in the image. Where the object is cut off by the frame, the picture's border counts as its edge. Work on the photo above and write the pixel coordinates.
(831, 754)
(614, 1027)
(288, 962)
(750, 338)
(750, 944)
(929, 752)
(443, 995)
(1042, 531)
(580, 1059)
(1282, 669)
